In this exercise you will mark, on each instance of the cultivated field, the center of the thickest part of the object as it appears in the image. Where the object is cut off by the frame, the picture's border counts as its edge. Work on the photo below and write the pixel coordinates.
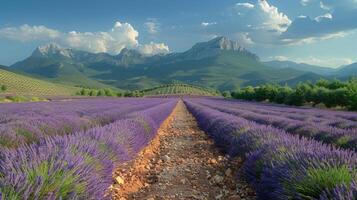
(23, 85)
(179, 89)
(108, 148)
(72, 146)
(280, 162)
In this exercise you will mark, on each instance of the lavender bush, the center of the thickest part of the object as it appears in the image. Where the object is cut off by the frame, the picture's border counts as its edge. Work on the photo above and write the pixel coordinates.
(312, 124)
(30, 122)
(280, 165)
(79, 165)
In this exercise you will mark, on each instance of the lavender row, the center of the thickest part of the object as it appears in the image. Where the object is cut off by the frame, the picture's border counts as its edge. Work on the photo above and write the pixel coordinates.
(345, 138)
(337, 119)
(280, 165)
(30, 122)
(80, 165)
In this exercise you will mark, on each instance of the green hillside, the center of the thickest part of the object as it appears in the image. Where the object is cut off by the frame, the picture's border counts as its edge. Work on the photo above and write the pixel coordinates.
(23, 85)
(179, 89)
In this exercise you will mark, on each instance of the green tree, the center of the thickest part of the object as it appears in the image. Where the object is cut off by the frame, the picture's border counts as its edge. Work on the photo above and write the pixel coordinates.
(3, 88)
(283, 94)
(93, 93)
(226, 94)
(101, 92)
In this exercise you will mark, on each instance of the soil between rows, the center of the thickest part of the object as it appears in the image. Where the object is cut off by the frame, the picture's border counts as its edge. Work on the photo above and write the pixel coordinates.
(181, 162)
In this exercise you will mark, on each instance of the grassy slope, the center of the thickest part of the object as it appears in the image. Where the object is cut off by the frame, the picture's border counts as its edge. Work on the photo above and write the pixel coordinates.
(22, 85)
(179, 89)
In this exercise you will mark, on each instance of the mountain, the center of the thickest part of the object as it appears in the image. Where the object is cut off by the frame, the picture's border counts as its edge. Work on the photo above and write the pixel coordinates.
(219, 63)
(301, 67)
(74, 67)
(348, 71)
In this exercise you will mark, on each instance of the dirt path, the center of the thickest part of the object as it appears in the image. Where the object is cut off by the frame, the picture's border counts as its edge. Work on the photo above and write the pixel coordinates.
(180, 163)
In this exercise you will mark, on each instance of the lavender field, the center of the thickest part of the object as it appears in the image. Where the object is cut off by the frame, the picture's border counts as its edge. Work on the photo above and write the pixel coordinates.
(70, 149)
(289, 153)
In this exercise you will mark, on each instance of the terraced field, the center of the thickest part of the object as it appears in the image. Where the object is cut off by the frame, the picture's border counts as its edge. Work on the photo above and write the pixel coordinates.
(22, 85)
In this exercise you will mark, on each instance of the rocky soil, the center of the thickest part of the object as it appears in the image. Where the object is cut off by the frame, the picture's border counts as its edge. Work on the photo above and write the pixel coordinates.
(180, 163)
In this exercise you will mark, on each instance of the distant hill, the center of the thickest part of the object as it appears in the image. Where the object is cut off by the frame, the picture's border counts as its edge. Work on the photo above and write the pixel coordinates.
(303, 78)
(301, 67)
(348, 71)
(22, 85)
(219, 63)
(179, 89)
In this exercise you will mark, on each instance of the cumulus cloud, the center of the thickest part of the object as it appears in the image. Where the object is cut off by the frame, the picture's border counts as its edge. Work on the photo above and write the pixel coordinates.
(152, 26)
(341, 17)
(120, 36)
(244, 39)
(154, 48)
(266, 24)
(264, 16)
(205, 24)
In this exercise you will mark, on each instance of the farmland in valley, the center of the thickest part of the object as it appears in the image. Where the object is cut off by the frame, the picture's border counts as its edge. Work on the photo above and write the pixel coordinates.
(285, 152)
(72, 153)
(179, 89)
(23, 85)
(283, 147)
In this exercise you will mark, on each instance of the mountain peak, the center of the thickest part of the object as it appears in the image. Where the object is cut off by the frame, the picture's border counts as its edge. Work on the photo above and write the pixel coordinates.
(225, 43)
(215, 47)
(51, 49)
(218, 44)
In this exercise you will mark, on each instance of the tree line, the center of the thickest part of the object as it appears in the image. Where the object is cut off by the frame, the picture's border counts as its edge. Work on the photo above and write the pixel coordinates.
(333, 93)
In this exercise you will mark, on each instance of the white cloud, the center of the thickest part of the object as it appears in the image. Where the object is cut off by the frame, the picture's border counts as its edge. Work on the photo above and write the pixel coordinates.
(340, 17)
(152, 26)
(280, 58)
(264, 16)
(327, 16)
(27, 33)
(304, 2)
(122, 35)
(312, 60)
(245, 5)
(205, 24)
(154, 48)
(325, 62)
(309, 40)
(324, 6)
(274, 19)
(244, 39)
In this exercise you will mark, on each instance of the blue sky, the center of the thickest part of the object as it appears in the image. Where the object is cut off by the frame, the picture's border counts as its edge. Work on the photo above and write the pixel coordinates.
(321, 32)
